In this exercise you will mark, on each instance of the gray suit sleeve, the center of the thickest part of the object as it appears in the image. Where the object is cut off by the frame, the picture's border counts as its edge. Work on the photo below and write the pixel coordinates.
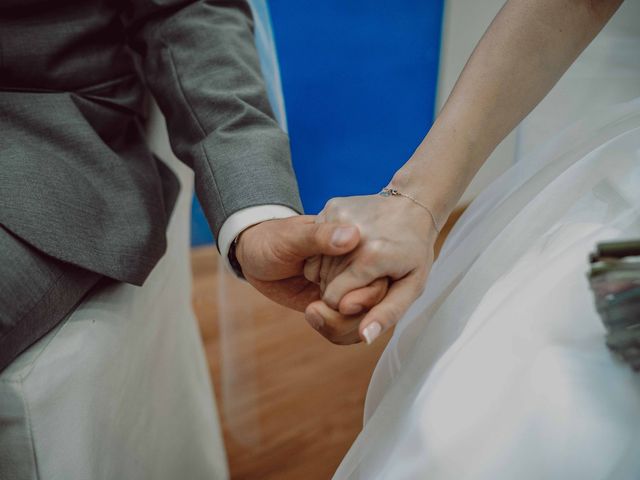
(200, 63)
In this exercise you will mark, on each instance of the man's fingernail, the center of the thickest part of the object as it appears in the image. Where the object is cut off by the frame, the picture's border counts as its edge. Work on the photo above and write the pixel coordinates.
(371, 332)
(314, 320)
(342, 236)
(352, 309)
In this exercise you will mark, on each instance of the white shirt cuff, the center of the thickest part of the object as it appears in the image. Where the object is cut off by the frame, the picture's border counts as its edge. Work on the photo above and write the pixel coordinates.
(245, 218)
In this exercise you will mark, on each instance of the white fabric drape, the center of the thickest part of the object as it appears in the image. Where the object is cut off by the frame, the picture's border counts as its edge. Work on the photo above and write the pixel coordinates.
(499, 370)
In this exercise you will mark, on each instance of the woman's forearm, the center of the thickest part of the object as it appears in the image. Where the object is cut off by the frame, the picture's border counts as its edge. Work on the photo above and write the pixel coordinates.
(523, 53)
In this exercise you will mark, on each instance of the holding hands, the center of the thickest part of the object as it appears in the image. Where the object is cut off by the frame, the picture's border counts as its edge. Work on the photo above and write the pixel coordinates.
(360, 286)
(354, 269)
(272, 255)
(383, 274)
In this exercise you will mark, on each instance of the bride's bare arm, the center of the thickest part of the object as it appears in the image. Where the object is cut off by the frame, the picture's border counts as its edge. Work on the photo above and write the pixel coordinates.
(526, 49)
(524, 52)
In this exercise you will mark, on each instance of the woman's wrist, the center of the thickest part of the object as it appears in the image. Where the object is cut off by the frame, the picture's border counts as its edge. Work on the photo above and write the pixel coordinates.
(439, 171)
(430, 185)
(437, 206)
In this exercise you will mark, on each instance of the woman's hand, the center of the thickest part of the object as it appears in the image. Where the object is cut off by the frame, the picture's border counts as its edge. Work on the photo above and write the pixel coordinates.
(397, 240)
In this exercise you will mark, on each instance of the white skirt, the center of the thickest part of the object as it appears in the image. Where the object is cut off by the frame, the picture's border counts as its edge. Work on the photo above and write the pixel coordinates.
(500, 370)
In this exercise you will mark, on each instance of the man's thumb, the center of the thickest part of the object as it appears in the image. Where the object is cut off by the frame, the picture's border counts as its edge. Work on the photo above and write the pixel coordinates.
(324, 239)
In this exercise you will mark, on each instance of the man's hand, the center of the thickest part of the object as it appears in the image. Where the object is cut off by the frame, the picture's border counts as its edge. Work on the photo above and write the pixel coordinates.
(272, 255)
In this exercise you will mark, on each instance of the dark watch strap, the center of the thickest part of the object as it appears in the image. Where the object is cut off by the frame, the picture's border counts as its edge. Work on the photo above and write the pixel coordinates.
(233, 260)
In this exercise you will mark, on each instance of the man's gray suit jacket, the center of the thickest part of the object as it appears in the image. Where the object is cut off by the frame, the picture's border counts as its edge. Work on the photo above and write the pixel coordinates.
(81, 196)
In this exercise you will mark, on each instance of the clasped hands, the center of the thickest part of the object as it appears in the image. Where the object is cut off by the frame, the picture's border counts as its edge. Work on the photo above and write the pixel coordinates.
(354, 269)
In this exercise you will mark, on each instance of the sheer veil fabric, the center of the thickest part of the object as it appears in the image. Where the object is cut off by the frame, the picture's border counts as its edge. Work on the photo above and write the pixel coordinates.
(499, 370)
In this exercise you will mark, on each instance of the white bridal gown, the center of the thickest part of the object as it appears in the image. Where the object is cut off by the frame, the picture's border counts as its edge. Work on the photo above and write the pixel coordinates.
(500, 370)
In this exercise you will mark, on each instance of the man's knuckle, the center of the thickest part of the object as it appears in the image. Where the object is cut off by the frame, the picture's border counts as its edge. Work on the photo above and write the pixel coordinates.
(313, 229)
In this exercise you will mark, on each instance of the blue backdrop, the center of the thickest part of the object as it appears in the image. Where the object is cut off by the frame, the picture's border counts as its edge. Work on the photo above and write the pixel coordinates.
(359, 80)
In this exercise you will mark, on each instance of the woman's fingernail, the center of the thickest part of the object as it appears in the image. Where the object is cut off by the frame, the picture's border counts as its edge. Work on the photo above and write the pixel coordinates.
(352, 309)
(342, 236)
(371, 332)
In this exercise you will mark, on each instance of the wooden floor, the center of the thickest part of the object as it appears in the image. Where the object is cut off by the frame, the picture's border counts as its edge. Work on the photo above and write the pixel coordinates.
(290, 402)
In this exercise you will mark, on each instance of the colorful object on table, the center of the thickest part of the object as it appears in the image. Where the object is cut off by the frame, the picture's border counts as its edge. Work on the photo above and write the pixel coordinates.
(615, 280)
